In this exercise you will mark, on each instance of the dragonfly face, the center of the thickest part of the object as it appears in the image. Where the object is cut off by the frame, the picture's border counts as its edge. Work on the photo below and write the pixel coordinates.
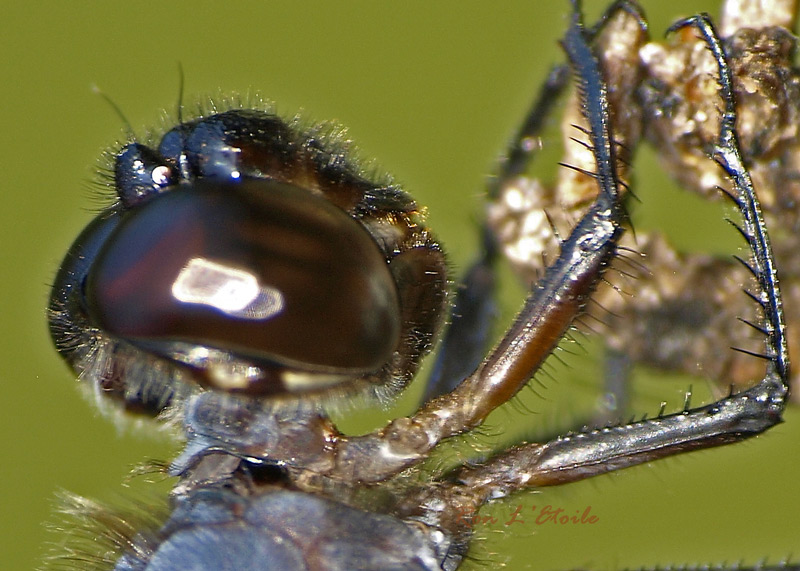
(257, 435)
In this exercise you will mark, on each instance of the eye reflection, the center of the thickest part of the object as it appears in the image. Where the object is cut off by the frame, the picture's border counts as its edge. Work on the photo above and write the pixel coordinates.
(230, 290)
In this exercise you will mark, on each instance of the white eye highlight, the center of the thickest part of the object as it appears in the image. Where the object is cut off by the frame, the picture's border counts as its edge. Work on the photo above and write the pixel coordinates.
(228, 289)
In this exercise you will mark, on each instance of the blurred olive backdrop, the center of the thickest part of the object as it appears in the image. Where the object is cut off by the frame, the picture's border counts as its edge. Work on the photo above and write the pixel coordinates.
(430, 89)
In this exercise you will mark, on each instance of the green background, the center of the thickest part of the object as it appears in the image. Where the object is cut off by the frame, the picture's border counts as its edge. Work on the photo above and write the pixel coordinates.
(432, 90)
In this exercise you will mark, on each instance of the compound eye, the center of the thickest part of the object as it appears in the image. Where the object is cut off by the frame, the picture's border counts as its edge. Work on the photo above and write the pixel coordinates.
(258, 271)
(140, 173)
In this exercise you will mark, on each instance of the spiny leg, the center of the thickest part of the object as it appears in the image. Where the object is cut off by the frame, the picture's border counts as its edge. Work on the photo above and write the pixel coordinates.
(680, 318)
(727, 154)
(728, 420)
(548, 312)
(521, 150)
(467, 337)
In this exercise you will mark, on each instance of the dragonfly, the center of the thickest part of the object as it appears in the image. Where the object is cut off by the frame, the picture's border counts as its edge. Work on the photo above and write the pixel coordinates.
(100, 362)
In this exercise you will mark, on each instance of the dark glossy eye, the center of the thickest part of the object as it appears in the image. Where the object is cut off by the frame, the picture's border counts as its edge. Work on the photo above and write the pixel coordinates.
(247, 257)
(262, 269)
